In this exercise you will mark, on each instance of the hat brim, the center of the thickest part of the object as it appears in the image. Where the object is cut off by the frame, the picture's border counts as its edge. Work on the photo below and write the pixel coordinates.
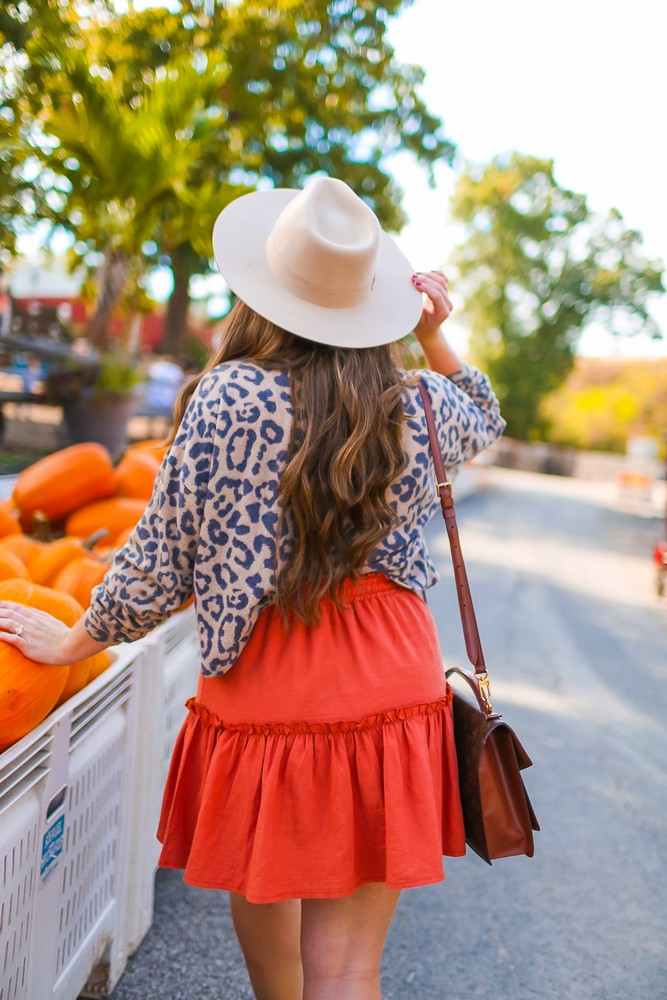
(391, 310)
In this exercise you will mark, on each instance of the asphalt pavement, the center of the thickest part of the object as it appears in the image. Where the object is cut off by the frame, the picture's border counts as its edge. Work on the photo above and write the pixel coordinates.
(576, 643)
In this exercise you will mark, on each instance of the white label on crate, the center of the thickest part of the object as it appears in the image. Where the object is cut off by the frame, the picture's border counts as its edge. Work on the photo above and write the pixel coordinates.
(52, 847)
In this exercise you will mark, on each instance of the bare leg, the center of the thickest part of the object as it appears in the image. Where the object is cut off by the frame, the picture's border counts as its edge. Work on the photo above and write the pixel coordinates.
(342, 942)
(269, 937)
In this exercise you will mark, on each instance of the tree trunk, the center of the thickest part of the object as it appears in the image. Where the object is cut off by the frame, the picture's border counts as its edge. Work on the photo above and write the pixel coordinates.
(112, 278)
(175, 335)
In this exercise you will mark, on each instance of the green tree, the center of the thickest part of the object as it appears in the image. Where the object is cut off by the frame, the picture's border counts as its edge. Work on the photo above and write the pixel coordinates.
(123, 167)
(22, 194)
(535, 268)
(305, 87)
(11, 189)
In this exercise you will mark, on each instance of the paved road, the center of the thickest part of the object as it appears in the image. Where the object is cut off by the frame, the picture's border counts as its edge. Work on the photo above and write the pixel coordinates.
(576, 643)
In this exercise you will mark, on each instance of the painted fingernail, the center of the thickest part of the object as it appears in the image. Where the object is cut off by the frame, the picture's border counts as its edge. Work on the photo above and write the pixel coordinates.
(417, 282)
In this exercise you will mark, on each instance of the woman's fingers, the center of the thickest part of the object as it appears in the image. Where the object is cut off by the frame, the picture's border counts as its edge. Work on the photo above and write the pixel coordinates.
(439, 279)
(22, 612)
(9, 634)
(37, 634)
(437, 294)
(12, 640)
(11, 621)
(13, 606)
(438, 276)
(13, 616)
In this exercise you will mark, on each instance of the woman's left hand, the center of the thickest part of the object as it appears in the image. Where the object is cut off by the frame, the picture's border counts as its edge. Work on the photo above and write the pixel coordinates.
(38, 635)
(437, 306)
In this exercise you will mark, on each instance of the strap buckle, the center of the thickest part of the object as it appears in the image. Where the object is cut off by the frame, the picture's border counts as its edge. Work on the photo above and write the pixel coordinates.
(441, 486)
(485, 689)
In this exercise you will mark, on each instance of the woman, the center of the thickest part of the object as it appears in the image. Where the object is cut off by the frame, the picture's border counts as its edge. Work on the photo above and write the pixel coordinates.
(315, 775)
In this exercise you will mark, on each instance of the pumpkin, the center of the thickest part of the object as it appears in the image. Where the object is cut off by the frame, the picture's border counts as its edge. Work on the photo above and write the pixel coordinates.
(19, 545)
(99, 664)
(135, 474)
(29, 547)
(65, 609)
(24, 547)
(123, 538)
(79, 676)
(28, 692)
(52, 559)
(9, 522)
(11, 567)
(155, 447)
(80, 576)
(59, 605)
(61, 482)
(114, 514)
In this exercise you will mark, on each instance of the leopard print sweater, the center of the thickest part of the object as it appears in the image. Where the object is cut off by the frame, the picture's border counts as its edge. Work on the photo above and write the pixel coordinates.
(210, 526)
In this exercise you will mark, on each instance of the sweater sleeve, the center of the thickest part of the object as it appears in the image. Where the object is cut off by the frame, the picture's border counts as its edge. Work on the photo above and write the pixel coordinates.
(467, 414)
(152, 575)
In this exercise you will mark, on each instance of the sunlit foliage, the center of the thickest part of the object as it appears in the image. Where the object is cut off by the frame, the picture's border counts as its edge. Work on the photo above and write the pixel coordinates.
(535, 268)
(147, 123)
(607, 400)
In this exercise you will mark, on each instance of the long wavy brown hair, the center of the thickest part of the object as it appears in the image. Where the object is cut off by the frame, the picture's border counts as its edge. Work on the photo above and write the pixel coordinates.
(345, 450)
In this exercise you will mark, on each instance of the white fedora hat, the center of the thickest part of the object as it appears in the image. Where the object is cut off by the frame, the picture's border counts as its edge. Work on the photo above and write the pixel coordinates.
(317, 263)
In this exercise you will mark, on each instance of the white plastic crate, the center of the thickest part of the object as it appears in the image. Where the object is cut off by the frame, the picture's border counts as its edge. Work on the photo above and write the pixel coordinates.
(66, 795)
(19, 860)
(166, 683)
(79, 805)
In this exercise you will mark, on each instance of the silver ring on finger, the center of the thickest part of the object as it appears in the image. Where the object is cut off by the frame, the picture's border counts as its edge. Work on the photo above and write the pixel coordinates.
(18, 630)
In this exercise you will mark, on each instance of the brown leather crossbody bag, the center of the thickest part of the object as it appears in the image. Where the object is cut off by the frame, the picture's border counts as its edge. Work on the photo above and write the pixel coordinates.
(497, 813)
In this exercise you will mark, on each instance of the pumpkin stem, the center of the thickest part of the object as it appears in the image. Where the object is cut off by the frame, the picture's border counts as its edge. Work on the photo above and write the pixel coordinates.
(118, 457)
(41, 529)
(93, 539)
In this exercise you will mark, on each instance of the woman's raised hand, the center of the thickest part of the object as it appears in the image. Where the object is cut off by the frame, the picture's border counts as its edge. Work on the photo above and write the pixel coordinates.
(437, 306)
(35, 633)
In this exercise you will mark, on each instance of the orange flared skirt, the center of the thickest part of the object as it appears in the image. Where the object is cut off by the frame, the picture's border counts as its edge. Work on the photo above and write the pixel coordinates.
(324, 759)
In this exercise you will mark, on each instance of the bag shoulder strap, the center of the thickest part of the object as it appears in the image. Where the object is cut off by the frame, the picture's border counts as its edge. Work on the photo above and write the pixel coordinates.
(468, 619)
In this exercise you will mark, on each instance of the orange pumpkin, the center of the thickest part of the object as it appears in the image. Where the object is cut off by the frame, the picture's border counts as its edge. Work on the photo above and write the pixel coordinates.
(9, 522)
(11, 567)
(28, 692)
(155, 446)
(24, 547)
(80, 576)
(123, 538)
(65, 609)
(99, 664)
(135, 474)
(61, 606)
(53, 558)
(114, 514)
(79, 676)
(61, 482)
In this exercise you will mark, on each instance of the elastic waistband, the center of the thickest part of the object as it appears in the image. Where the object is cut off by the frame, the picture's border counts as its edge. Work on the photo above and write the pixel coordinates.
(368, 585)
(377, 720)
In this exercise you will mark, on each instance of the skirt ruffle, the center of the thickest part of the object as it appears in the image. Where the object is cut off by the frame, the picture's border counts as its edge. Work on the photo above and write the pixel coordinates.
(313, 810)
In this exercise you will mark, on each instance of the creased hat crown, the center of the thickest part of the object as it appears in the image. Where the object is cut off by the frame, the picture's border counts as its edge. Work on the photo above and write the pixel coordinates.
(317, 263)
(324, 246)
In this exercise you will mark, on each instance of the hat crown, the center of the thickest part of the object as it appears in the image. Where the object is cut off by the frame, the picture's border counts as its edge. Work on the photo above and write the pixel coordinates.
(324, 246)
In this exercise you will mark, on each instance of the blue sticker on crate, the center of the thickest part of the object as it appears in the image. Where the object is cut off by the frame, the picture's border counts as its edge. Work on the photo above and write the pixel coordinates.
(52, 846)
